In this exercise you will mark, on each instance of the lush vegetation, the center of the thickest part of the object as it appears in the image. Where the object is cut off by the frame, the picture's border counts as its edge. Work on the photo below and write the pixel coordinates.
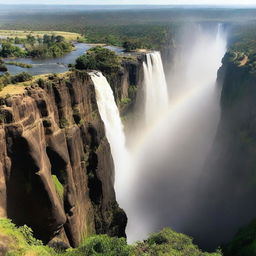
(20, 241)
(244, 242)
(99, 58)
(48, 46)
(170, 243)
(3, 68)
(6, 79)
(130, 36)
(150, 28)
(36, 47)
(10, 50)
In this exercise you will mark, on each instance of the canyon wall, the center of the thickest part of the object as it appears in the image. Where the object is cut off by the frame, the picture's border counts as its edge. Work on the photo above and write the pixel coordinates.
(56, 169)
(227, 185)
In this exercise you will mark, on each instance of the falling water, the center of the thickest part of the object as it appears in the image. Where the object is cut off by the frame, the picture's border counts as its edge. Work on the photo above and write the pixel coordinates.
(114, 130)
(172, 154)
(156, 96)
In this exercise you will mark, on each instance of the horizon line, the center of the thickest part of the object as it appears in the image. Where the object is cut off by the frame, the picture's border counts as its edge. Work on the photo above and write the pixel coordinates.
(68, 4)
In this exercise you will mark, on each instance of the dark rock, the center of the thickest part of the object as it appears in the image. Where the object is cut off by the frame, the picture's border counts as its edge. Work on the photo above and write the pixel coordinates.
(57, 177)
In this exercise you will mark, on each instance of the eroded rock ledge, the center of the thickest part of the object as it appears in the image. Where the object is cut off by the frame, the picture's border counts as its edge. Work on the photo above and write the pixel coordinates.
(56, 169)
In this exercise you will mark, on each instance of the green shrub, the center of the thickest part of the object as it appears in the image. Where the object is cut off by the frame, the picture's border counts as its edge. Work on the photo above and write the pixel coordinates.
(170, 243)
(99, 58)
(9, 50)
(20, 241)
(21, 77)
(164, 243)
(102, 245)
(125, 100)
(3, 68)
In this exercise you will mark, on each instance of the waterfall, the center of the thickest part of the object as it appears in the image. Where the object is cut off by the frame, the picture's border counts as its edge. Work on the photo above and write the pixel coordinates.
(113, 127)
(172, 154)
(154, 84)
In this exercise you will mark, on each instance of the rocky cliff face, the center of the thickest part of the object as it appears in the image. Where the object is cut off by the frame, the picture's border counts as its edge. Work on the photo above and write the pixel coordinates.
(227, 186)
(56, 169)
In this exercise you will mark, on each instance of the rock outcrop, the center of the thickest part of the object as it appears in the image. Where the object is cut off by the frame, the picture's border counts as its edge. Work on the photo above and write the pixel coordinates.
(56, 169)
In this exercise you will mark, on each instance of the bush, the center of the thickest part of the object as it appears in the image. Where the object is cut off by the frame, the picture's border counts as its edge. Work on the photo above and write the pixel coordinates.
(101, 245)
(3, 68)
(21, 77)
(20, 241)
(9, 50)
(99, 58)
(169, 242)
(6, 78)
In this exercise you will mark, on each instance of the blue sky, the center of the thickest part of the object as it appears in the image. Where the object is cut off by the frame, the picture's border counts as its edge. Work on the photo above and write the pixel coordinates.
(96, 2)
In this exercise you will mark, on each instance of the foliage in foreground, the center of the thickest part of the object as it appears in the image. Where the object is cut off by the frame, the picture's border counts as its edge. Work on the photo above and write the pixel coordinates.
(16, 241)
(169, 243)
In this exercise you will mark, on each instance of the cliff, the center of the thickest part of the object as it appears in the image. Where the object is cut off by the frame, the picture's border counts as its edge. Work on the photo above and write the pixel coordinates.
(227, 186)
(56, 169)
(238, 126)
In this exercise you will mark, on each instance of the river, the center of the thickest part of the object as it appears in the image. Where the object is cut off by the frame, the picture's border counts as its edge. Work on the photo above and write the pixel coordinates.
(53, 65)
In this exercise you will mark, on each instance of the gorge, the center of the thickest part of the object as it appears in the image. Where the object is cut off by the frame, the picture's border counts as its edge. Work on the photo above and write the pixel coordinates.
(129, 151)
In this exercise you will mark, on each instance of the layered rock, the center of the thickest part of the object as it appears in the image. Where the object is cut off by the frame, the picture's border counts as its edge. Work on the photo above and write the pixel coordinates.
(56, 169)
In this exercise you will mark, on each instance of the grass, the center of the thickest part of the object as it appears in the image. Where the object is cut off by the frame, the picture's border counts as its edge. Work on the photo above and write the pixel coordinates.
(24, 34)
(58, 186)
(12, 89)
(19, 88)
(19, 64)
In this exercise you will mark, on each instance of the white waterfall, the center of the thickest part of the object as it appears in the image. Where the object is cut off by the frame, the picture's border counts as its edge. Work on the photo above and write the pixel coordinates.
(154, 84)
(114, 129)
(171, 155)
(158, 187)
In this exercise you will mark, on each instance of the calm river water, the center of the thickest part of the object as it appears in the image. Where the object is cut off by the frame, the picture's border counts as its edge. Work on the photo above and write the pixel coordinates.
(53, 65)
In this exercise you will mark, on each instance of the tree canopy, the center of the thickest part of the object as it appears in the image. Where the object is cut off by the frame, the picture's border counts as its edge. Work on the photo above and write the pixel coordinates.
(99, 58)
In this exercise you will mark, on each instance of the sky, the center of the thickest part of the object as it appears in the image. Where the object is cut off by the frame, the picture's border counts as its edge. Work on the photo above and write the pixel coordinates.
(148, 2)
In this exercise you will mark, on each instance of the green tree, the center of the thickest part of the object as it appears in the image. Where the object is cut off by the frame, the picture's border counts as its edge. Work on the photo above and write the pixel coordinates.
(99, 58)
(9, 50)
(130, 46)
(31, 40)
(17, 40)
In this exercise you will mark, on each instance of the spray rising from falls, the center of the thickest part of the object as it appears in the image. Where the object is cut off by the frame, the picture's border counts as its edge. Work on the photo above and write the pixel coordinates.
(154, 84)
(114, 129)
(171, 157)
